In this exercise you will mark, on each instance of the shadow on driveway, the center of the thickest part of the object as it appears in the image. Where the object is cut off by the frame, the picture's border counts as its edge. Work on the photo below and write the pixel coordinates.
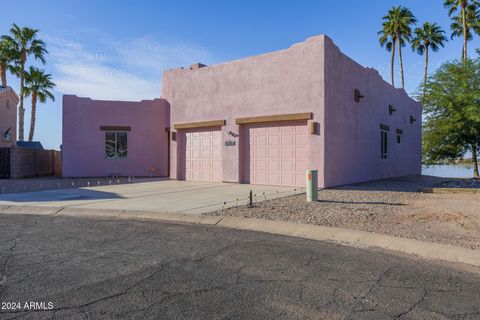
(60, 195)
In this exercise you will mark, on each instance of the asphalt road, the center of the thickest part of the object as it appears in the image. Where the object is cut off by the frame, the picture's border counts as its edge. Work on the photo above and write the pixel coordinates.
(104, 269)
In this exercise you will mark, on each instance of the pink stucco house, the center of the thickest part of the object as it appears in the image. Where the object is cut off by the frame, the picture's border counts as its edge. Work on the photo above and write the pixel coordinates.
(260, 120)
(108, 138)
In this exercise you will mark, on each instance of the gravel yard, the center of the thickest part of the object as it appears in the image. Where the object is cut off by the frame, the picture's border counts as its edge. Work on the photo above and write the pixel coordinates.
(392, 207)
(460, 183)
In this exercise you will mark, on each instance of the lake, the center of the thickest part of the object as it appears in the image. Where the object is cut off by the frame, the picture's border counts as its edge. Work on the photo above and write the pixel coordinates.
(449, 170)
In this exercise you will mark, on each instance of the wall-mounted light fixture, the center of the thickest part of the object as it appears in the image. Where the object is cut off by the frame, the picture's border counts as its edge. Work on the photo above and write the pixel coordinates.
(233, 134)
(412, 119)
(391, 109)
(356, 95)
(314, 127)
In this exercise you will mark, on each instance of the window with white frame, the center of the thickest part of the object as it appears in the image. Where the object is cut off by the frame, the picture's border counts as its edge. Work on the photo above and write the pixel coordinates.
(116, 145)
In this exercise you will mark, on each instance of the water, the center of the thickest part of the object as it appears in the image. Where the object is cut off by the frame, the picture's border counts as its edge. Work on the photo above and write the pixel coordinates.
(449, 170)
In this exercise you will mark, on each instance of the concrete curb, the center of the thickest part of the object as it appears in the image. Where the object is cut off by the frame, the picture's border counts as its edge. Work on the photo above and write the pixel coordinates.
(354, 238)
(450, 190)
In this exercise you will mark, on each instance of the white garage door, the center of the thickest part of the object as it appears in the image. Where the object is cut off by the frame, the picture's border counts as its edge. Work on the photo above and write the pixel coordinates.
(279, 154)
(203, 156)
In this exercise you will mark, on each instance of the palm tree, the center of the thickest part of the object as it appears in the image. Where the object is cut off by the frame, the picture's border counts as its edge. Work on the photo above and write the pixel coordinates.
(397, 24)
(460, 23)
(388, 38)
(472, 14)
(430, 35)
(8, 58)
(37, 85)
(24, 42)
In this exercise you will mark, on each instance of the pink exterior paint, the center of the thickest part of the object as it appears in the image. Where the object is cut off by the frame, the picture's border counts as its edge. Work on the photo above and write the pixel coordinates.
(309, 77)
(203, 157)
(8, 116)
(286, 81)
(312, 76)
(352, 130)
(278, 153)
(83, 148)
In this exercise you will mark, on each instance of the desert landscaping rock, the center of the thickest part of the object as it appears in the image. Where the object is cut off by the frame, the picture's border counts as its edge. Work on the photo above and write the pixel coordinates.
(460, 183)
(391, 207)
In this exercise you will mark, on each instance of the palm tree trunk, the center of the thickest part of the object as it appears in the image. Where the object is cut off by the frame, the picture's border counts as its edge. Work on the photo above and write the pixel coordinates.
(392, 63)
(425, 72)
(21, 109)
(475, 161)
(3, 74)
(401, 61)
(465, 39)
(33, 116)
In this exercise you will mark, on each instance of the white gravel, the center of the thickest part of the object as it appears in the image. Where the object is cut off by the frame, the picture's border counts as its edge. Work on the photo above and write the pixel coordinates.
(392, 207)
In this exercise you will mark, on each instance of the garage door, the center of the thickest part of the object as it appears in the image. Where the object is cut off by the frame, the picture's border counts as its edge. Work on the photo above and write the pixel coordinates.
(278, 154)
(203, 156)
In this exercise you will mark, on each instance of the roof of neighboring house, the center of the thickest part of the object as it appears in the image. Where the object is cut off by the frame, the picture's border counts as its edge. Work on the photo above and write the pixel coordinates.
(7, 89)
(30, 145)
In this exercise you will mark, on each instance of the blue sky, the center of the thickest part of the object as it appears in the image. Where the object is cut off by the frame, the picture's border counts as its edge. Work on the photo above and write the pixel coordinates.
(118, 49)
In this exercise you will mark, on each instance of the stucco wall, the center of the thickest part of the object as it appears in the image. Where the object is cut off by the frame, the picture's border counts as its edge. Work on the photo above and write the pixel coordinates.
(352, 130)
(8, 116)
(83, 148)
(281, 82)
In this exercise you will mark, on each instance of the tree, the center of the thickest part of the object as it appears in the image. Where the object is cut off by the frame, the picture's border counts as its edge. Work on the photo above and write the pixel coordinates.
(8, 57)
(397, 27)
(388, 38)
(460, 24)
(430, 35)
(24, 42)
(37, 85)
(452, 112)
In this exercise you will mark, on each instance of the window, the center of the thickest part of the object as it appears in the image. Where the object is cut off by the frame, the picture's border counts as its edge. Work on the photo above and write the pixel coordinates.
(115, 145)
(384, 141)
(399, 136)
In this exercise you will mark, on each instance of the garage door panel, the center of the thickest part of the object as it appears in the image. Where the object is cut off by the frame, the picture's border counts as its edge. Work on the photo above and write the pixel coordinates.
(278, 154)
(273, 165)
(288, 153)
(301, 140)
(203, 156)
(288, 140)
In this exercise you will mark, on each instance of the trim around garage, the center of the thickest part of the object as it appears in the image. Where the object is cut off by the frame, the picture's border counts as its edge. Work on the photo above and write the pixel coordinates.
(275, 118)
(199, 124)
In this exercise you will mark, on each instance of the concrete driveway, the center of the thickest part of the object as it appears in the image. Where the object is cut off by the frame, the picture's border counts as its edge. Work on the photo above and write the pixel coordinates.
(161, 196)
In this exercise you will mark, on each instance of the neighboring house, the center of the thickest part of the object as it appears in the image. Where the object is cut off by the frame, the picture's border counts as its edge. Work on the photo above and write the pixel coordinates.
(8, 116)
(260, 120)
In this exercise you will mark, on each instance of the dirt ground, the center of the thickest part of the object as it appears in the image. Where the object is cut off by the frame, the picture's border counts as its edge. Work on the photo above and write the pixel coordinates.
(392, 207)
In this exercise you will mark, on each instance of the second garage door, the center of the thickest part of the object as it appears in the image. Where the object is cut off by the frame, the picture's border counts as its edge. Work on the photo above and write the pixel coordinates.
(203, 158)
(278, 154)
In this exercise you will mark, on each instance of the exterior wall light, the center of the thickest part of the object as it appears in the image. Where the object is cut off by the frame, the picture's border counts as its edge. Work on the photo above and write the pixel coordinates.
(356, 95)
(412, 119)
(233, 134)
(391, 109)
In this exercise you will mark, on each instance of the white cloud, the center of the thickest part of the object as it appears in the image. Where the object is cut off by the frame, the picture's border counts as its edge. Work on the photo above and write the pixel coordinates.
(129, 70)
